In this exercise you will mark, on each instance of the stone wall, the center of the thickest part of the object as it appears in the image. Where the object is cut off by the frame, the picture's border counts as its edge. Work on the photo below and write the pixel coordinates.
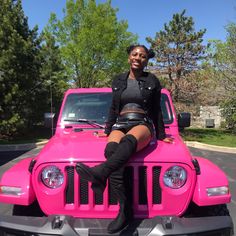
(210, 117)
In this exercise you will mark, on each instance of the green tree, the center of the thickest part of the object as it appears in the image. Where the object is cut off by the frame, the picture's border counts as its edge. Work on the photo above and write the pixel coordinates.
(178, 50)
(92, 41)
(19, 67)
(224, 58)
(52, 81)
(225, 64)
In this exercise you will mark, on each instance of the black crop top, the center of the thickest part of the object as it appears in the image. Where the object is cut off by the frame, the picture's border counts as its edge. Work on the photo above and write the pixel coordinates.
(131, 94)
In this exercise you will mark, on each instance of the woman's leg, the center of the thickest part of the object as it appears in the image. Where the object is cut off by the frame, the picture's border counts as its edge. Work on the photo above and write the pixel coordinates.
(142, 135)
(100, 173)
(136, 139)
(125, 215)
(115, 136)
(113, 143)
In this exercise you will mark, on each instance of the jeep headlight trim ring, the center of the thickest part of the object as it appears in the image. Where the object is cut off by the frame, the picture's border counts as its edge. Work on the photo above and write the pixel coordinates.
(52, 176)
(175, 177)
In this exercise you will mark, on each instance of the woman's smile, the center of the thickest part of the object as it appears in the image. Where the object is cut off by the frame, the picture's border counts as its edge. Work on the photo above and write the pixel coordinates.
(138, 58)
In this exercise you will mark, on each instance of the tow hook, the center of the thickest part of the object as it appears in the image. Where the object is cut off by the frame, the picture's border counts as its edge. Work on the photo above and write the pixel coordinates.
(167, 222)
(58, 222)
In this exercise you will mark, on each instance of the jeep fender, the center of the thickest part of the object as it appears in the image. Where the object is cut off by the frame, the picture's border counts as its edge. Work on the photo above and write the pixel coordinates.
(211, 176)
(18, 176)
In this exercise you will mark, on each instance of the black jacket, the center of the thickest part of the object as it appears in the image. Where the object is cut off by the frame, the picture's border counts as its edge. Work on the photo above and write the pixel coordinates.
(151, 92)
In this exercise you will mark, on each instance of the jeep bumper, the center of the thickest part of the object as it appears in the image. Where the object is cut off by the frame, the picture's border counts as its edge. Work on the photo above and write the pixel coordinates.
(157, 226)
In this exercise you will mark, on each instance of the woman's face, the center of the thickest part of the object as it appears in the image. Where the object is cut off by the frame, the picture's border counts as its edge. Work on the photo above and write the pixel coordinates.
(138, 58)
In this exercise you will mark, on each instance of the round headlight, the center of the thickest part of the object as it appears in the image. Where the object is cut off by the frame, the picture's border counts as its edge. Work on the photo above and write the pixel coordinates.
(52, 177)
(175, 177)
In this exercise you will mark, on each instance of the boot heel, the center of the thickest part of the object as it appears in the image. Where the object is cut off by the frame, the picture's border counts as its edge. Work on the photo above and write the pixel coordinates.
(122, 220)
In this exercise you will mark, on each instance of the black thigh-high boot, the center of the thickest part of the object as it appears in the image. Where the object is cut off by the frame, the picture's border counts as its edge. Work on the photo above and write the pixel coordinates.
(108, 152)
(116, 179)
(125, 214)
(98, 174)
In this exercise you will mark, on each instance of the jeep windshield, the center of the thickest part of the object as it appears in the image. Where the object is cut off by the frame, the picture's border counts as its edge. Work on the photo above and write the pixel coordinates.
(89, 108)
(93, 108)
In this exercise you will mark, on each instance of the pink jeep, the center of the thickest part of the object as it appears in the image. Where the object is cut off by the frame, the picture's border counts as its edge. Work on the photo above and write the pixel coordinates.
(172, 192)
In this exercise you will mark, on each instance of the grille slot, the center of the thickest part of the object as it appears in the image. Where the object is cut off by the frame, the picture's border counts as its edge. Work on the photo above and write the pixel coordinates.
(142, 178)
(129, 182)
(98, 198)
(112, 195)
(156, 189)
(83, 192)
(70, 185)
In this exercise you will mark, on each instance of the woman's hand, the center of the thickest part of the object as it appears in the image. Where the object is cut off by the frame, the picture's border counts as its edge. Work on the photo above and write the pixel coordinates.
(100, 134)
(168, 140)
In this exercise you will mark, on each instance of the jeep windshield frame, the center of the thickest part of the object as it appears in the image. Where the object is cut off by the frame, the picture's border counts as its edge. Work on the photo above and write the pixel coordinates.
(166, 109)
(93, 108)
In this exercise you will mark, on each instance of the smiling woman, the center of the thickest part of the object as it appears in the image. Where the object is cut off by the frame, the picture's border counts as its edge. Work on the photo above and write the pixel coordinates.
(141, 52)
(135, 116)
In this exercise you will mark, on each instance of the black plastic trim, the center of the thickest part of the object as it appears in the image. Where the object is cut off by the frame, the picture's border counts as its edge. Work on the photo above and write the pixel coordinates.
(31, 165)
(196, 166)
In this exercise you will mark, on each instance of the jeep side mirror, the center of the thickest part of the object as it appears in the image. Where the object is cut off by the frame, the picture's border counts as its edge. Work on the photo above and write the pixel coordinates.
(184, 119)
(49, 120)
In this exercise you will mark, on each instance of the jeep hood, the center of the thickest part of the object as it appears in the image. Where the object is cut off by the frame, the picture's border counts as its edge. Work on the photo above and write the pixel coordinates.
(86, 147)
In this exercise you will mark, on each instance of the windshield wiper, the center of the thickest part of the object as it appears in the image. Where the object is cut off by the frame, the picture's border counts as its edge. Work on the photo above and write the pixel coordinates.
(90, 122)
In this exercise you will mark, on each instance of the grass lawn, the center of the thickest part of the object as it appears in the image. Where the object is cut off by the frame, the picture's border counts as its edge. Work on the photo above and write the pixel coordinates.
(210, 136)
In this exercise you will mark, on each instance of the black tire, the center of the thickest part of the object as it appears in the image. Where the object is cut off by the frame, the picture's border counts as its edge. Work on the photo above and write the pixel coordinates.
(203, 211)
(31, 210)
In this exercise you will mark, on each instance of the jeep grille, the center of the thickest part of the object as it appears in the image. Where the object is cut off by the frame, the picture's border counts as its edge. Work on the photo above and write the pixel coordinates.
(132, 174)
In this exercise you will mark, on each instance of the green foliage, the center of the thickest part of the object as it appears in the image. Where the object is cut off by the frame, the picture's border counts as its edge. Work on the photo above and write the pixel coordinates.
(19, 67)
(178, 50)
(92, 41)
(53, 79)
(86, 48)
(229, 112)
(31, 70)
(224, 60)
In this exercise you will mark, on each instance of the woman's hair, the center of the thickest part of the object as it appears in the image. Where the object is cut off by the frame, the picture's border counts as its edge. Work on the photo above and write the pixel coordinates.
(149, 52)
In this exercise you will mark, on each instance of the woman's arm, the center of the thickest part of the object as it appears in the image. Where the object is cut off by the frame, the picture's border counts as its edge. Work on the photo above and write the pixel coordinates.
(111, 118)
(157, 113)
(112, 115)
(159, 125)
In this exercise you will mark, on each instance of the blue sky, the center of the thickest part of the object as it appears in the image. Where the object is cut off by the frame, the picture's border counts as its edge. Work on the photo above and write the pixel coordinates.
(145, 18)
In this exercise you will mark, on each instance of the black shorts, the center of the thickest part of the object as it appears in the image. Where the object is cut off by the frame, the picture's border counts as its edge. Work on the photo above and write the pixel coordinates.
(126, 125)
